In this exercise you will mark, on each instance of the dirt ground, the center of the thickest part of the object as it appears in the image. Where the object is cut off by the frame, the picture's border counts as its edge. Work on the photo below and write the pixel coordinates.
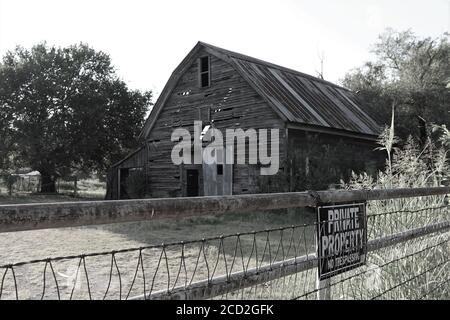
(20, 198)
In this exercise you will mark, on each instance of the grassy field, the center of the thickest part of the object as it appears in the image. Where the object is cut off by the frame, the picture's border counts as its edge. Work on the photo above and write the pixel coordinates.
(87, 189)
(22, 198)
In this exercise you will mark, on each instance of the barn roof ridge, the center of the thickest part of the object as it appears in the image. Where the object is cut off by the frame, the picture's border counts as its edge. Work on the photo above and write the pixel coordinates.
(299, 97)
(241, 56)
(295, 96)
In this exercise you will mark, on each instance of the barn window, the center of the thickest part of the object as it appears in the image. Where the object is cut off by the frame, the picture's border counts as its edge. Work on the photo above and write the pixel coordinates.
(205, 77)
(220, 169)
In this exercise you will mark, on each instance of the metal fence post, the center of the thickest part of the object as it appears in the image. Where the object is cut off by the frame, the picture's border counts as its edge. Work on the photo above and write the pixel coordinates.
(323, 288)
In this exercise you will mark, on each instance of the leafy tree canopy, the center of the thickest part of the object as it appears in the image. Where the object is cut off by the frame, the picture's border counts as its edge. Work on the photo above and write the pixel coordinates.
(65, 110)
(410, 72)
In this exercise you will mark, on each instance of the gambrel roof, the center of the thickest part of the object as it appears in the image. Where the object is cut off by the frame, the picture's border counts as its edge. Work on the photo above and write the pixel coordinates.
(296, 97)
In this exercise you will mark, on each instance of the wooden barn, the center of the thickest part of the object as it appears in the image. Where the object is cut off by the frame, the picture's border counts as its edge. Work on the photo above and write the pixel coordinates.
(324, 133)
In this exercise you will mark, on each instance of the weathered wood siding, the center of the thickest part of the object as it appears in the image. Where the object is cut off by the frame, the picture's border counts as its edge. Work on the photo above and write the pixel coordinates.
(319, 160)
(233, 104)
(137, 159)
(323, 134)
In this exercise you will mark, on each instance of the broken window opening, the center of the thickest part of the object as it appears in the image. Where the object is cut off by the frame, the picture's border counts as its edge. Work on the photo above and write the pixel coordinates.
(204, 131)
(205, 78)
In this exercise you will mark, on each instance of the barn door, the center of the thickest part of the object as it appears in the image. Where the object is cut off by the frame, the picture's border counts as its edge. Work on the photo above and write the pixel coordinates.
(192, 182)
(123, 176)
(218, 176)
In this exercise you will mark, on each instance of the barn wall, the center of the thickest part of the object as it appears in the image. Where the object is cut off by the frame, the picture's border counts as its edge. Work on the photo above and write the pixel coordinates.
(232, 104)
(316, 160)
(307, 160)
(137, 159)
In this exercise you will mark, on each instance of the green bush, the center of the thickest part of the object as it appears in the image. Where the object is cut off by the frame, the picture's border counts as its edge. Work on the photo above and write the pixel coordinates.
(9, 180)
(407, 167)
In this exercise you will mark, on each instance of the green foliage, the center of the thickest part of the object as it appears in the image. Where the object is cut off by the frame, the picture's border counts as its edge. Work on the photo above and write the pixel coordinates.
(65, 110)
(409, 72)
(444, 135)
(410, 167)
(9, 180)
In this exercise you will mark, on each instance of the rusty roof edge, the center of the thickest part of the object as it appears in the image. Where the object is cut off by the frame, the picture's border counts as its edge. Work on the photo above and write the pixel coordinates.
(361, 110)
(298, 97)
(231, 57)
(272, 65)
(127, 157)
(347, 112)
(328, 130)
(247, 78)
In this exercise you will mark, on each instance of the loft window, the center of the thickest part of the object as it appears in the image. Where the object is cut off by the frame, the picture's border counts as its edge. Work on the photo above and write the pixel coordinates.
(204, 72)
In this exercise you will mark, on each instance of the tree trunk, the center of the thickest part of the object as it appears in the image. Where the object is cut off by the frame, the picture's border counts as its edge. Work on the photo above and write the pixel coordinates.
(48, 183)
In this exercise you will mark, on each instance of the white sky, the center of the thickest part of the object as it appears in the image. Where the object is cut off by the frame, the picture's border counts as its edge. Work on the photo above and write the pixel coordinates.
(148, 39)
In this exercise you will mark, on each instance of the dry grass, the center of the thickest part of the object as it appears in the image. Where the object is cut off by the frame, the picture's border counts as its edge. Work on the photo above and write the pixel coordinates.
(28, 245)
(23, 198)
(87, 189)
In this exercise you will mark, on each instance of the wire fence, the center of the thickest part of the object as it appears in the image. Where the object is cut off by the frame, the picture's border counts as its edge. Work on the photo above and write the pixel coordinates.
(407, 258)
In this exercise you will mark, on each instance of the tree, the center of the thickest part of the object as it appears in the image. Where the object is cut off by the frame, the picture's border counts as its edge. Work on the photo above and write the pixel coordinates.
(6, 144)
(410, 73)
(67, 110)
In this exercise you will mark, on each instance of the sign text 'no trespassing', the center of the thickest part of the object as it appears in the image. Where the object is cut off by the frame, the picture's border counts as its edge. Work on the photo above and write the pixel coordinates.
(341, 238)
